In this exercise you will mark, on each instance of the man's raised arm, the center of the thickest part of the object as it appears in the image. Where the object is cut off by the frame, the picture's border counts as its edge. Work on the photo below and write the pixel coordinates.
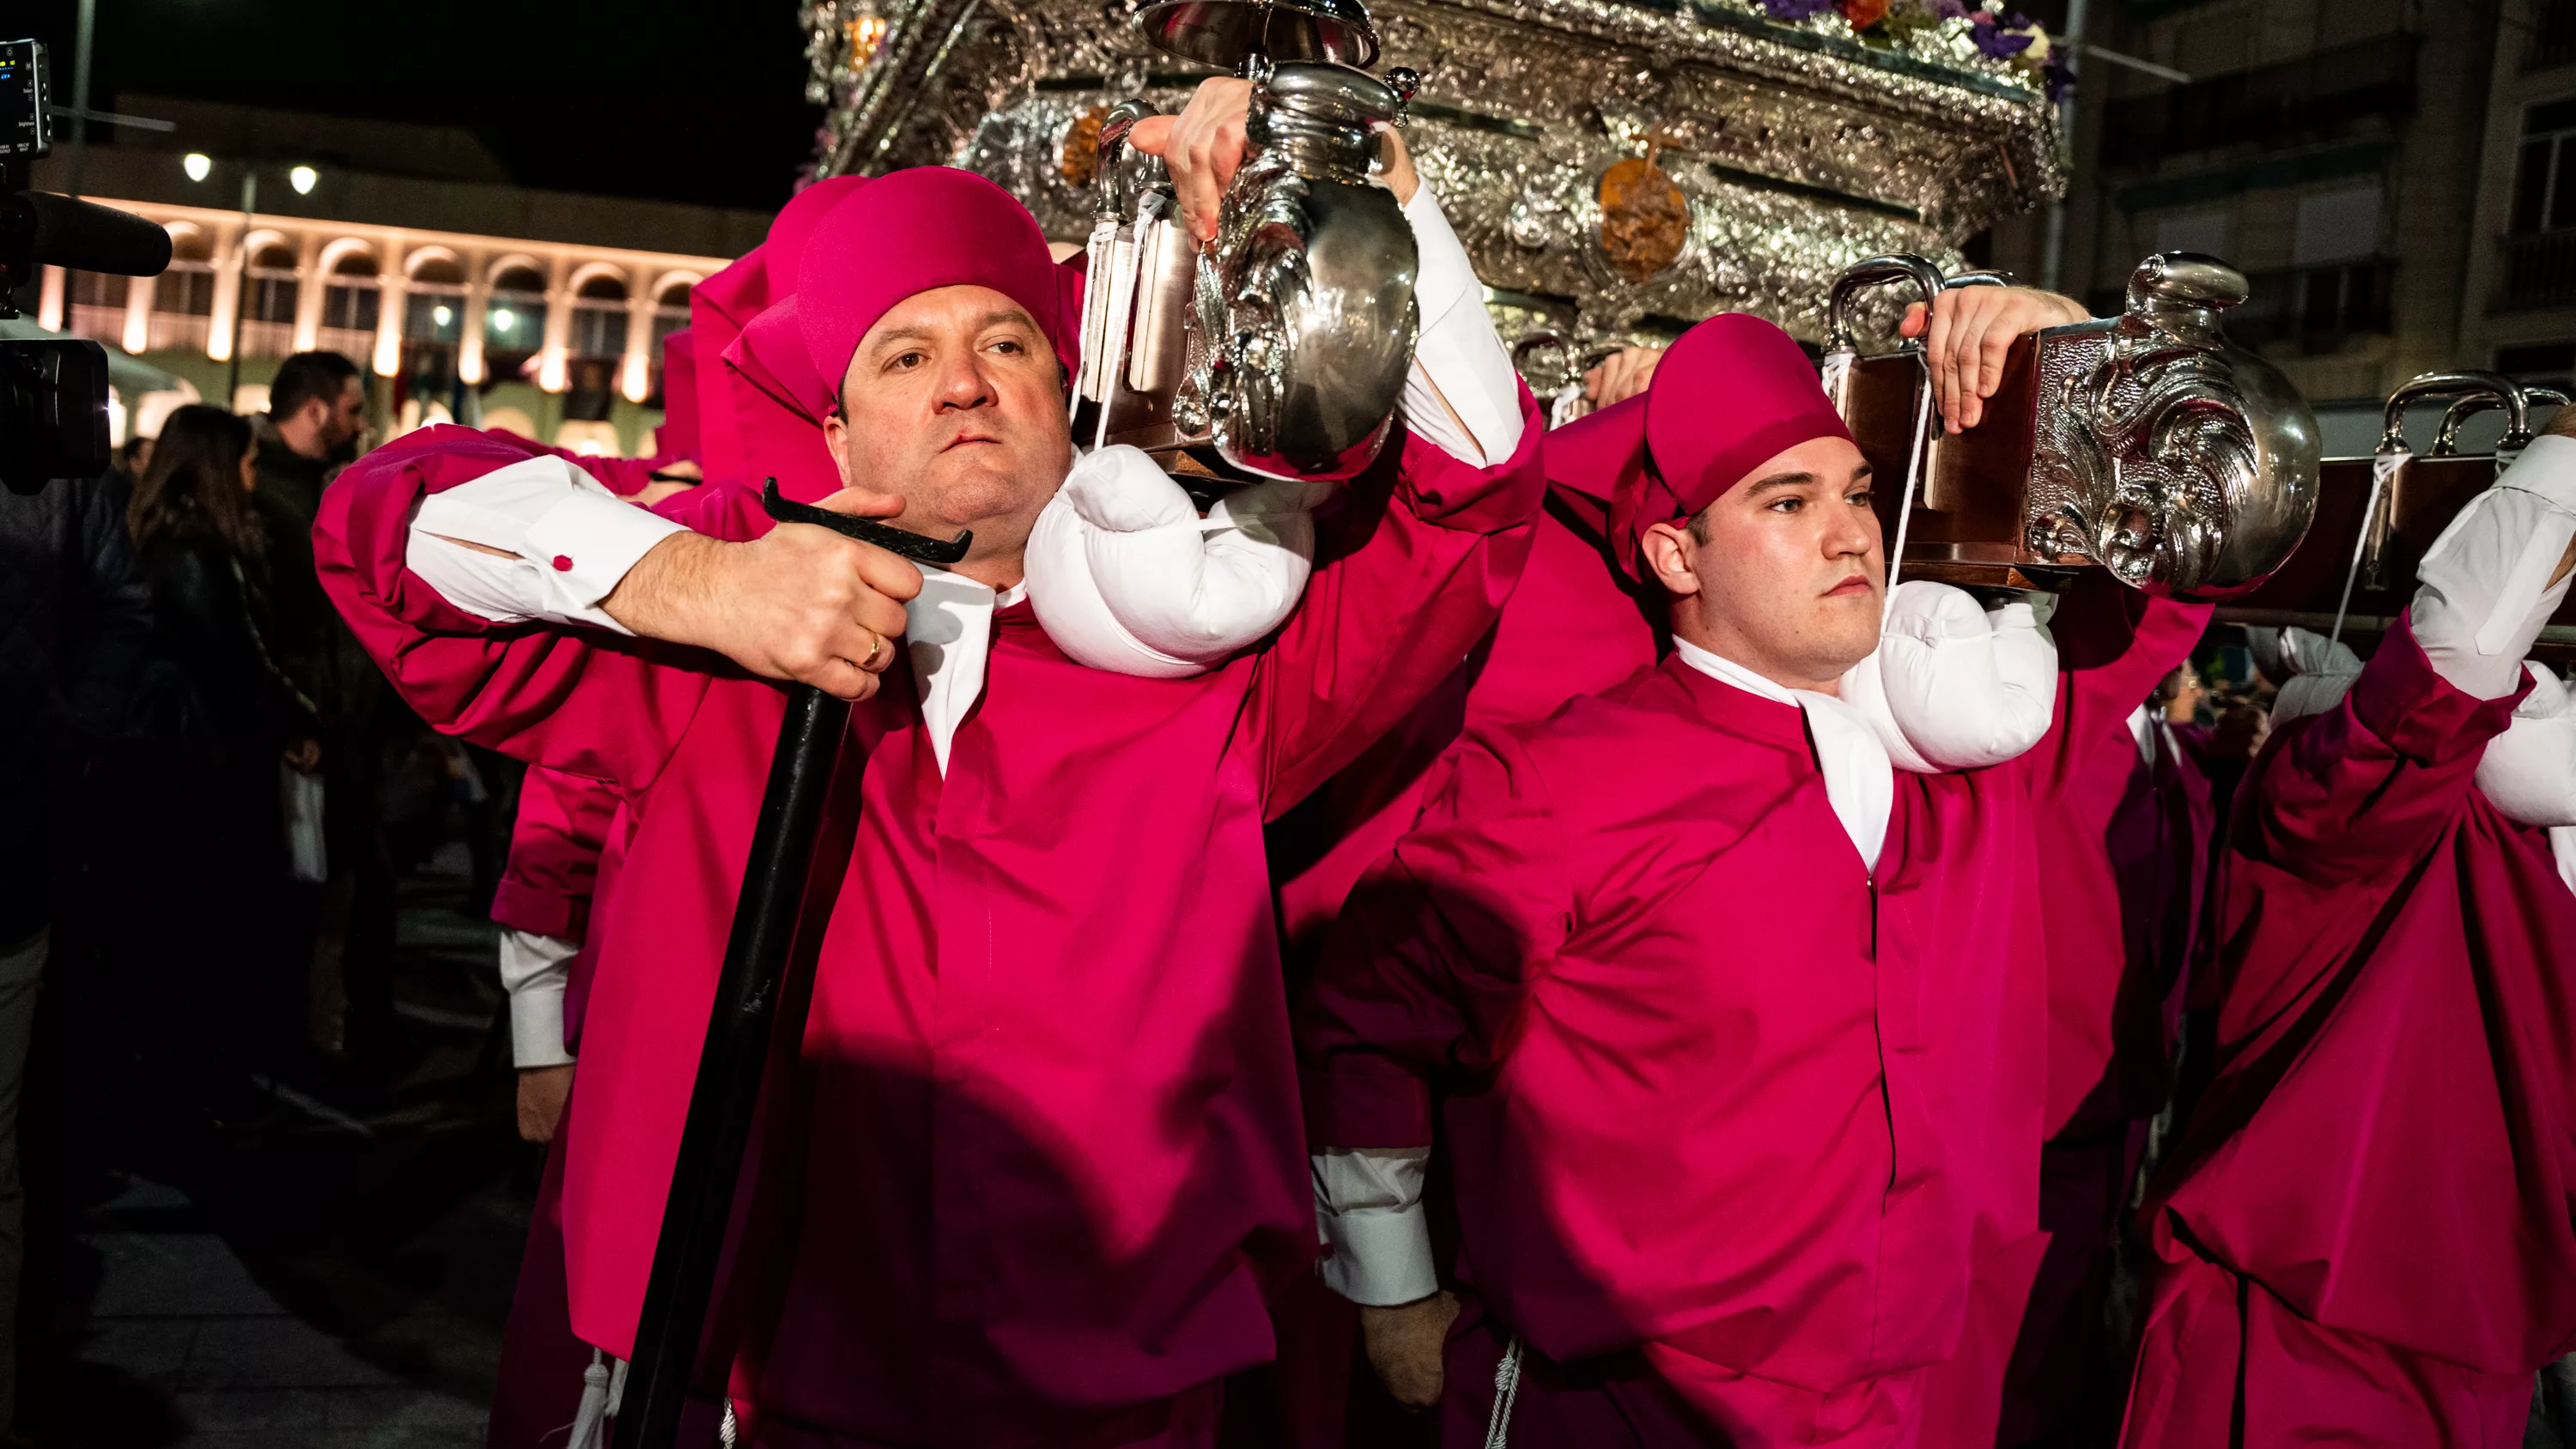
(442, 549)
(2360, 788)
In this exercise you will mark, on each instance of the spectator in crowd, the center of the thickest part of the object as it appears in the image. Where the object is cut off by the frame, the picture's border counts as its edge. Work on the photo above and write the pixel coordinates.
(316, 417)
(317, 408)
(133, 456)
(218, 715)
(74, 618)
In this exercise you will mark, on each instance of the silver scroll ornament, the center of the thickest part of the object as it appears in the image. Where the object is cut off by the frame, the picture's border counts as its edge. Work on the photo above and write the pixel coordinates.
(2180, 461)
(1304, 316)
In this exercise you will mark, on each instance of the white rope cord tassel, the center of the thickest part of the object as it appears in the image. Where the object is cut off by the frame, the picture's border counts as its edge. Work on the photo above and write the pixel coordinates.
(1507, 1387)
(1835, 372)
(1568, 404)
(2383, 471)
(590, 1421)
(1913, 473)
(727, 1431)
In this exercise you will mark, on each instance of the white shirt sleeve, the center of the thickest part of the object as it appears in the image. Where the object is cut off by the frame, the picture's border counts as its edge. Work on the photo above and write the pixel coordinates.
(534, 971)
(2485, 589)
(1368, 1208)
(571, 538)
(1458, 356)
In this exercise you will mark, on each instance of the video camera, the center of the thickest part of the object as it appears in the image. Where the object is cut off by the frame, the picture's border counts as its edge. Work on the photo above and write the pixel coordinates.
(53, 393)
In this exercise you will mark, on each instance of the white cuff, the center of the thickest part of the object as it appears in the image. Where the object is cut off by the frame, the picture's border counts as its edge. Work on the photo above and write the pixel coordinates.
(1368, 1209)
(587, 543)
(534, 971)
(1458, 357)
(569, 539)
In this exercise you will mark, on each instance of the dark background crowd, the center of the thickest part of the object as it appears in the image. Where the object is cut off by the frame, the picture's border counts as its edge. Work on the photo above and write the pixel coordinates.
(246, 975)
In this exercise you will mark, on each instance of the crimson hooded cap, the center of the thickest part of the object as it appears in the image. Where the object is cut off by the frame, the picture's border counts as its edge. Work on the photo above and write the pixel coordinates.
(1734, 392)
(910, 232)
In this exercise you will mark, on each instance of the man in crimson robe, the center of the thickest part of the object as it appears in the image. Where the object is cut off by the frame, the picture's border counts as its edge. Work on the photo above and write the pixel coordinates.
(1038, 1159)
(1737, 1022)
(2366, 1234)
(1575, 625)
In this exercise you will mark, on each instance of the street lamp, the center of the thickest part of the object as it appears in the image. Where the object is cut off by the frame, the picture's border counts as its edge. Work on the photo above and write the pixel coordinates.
(303, 178)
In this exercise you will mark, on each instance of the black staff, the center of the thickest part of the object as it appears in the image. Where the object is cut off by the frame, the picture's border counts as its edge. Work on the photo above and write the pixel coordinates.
(736, 1054)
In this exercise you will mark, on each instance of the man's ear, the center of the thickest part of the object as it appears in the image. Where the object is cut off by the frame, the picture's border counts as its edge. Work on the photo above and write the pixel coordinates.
(836, 440)
(1673, 558)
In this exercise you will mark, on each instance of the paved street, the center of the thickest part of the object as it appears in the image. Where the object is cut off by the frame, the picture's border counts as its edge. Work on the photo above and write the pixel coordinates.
(339, 1276)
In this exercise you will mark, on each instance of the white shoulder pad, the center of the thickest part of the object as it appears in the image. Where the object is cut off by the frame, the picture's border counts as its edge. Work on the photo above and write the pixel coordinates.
(2306, 694)
(1953, 687)
(1127, 577)
(2529, 772)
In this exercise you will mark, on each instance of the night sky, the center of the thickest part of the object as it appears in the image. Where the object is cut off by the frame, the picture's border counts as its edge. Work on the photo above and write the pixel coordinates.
(682, 100)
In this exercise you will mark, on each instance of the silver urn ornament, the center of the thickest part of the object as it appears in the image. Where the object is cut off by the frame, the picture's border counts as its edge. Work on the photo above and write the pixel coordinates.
(2182, 462)
(2147, 443)
(1303, 316)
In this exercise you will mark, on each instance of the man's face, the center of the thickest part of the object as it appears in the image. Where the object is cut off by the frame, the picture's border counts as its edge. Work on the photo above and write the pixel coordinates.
(347, 418)
(1784, 574)
(955, 402)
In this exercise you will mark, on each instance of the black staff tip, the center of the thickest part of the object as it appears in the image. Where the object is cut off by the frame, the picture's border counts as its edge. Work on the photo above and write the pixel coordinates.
(867, 530)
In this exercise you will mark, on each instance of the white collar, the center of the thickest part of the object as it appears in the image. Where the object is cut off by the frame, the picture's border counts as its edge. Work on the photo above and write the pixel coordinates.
(2142, 728)
(1860, 780)
(948, 634)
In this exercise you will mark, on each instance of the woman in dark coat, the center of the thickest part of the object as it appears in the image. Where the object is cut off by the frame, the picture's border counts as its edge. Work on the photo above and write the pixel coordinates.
(220, 720)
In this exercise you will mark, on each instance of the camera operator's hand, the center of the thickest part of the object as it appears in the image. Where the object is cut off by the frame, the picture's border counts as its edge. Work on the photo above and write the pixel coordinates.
(800, 602)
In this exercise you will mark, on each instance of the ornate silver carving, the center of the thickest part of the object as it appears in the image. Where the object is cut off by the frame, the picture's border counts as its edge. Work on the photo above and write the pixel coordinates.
(2185, 464)
(1797, 151)
(1305, 305)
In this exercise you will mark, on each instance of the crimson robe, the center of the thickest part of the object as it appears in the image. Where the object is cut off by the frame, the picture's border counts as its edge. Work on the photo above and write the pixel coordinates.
(545, 887)
(2125, 847)
(2367, 1230)
(1722, 1103)
(1043, 1156)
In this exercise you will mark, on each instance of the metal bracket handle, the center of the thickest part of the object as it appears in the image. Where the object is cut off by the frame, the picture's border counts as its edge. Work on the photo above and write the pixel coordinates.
(867, 530)
(1862, 275)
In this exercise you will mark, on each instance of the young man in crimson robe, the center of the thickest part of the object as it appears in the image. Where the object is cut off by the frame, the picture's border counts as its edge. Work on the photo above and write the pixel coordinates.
(1575, 625)
(1738, 1022)
(2366, 1235)
(1039, 1158)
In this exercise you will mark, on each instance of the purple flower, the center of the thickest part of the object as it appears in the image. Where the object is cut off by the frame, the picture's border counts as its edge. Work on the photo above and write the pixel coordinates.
(1797, 9)
(1949, 9)
(2059, 77)
(1993, 41)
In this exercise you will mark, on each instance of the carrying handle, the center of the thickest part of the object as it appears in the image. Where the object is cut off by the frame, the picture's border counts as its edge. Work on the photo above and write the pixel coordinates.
(1861, 276)
(867, 530)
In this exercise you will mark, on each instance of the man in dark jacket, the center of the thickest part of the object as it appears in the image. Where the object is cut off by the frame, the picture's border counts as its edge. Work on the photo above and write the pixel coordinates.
(316, 413)
(74, 621)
